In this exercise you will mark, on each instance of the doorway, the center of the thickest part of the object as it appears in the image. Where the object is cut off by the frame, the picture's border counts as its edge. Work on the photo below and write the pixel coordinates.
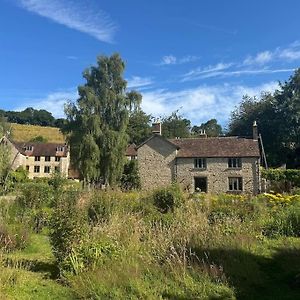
(200, 184)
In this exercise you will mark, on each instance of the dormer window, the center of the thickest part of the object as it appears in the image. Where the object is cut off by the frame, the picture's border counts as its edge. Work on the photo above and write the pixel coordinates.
(60, 148)
(28, 148)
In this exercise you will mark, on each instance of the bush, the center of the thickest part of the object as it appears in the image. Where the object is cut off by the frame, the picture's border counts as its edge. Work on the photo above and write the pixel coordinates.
(101, 207)
(13, 236)
(166, 199)
(283, 221)
(130, 179)
(67, 227)
(35, 195)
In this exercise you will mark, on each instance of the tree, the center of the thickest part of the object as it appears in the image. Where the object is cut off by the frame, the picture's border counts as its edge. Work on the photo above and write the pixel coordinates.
(175, 126)
(278, 119)
(96, 125)
(4, 151)
(211, 127)
(138, 128)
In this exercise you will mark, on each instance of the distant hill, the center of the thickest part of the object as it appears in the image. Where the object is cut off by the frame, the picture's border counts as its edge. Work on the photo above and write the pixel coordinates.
(25, 133)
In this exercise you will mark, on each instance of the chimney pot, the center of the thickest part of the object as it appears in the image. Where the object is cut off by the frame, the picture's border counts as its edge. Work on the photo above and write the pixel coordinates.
(255, 131)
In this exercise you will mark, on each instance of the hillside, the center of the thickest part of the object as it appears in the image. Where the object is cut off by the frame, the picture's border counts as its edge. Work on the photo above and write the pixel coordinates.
(24, 133)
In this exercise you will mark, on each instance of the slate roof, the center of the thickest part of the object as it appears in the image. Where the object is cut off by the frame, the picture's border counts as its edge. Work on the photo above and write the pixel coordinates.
(217, 147)
(41, 149)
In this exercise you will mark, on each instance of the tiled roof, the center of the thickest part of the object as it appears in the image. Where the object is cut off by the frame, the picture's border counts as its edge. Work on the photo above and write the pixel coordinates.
(217, 147)
(131, 150)
(42, 149)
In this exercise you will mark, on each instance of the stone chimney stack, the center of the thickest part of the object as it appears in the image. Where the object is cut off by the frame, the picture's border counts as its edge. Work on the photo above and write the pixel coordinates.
(255, 131)
(156, 128)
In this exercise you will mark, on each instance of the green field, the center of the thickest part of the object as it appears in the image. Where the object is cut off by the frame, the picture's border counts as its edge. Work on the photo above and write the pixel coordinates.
(24, 133)
(66, 243)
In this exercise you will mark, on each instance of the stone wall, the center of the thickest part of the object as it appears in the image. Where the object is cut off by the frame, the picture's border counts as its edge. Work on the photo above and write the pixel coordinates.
(156, 160)
(217, 173)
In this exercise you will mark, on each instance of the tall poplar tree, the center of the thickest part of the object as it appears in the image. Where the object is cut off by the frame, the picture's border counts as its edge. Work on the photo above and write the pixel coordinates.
(96, 125)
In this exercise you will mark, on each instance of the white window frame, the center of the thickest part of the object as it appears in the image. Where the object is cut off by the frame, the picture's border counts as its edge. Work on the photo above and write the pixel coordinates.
(234, 163)
(200, 163)
(235, 184)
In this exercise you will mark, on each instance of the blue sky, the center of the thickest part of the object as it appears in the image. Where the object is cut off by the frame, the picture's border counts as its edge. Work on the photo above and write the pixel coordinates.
(197, 56)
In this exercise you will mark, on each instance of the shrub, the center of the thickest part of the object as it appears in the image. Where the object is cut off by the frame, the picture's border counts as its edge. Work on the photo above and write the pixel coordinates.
(130, 179)
(101, 207)
(283, 221)
(67, 226)
(35, 195)
(166, 199)
(14, 236)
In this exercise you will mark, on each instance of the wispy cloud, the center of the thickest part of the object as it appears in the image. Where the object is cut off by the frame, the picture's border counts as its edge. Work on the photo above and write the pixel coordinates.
(260, 58)
(139, 82)
(72, 57)
(283, 54)
(53, 102)
(201, 103)
(173, 60)
(81, 16)
(205, 72)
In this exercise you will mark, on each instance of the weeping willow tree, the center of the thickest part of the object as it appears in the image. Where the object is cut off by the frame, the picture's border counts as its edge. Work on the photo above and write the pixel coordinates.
(97, 123)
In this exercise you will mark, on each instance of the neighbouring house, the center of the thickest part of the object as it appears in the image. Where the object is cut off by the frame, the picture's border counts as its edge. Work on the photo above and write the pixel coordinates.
(39, 159)
(214, 165)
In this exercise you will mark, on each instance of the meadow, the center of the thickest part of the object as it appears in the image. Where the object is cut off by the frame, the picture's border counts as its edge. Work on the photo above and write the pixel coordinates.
(60, 242)
(25, 133)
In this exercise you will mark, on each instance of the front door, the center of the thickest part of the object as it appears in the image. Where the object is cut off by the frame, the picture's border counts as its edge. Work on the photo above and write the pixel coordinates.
(200, 184)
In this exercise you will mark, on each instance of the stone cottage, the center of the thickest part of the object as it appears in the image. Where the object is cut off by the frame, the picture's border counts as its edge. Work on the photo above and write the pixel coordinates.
(214, 165)
(39, 159)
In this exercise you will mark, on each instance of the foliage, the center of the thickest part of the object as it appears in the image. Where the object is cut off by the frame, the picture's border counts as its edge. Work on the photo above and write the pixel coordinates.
(39, 139)
(30, 116)
(291, 175)
(97, 124)
(35, 195)
(67, 227)
(138, 128)
(20, 175)
(167, 199)
(175, 126)
(130, 178)
(277, 116)
(211, 127)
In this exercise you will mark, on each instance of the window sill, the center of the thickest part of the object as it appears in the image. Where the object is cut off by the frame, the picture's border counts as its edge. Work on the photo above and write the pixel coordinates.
(234, 192)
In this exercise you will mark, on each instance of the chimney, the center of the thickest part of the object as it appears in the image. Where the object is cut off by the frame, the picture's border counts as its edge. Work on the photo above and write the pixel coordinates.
(254, 131)
(156, 128)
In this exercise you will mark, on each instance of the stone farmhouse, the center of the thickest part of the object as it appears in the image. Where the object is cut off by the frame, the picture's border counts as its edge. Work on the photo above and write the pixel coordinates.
(39, 159)
(214, 165)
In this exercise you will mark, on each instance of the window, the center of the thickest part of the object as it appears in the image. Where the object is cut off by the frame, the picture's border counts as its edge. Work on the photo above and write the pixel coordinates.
(57, 170)
(200, 163)
(47, 158)
(28, 148)
(36, 169)
(234, 162)
(60, 149)
(27, 168)
(37, 158)
(47, 169)
(235, 183)
(57, 158)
